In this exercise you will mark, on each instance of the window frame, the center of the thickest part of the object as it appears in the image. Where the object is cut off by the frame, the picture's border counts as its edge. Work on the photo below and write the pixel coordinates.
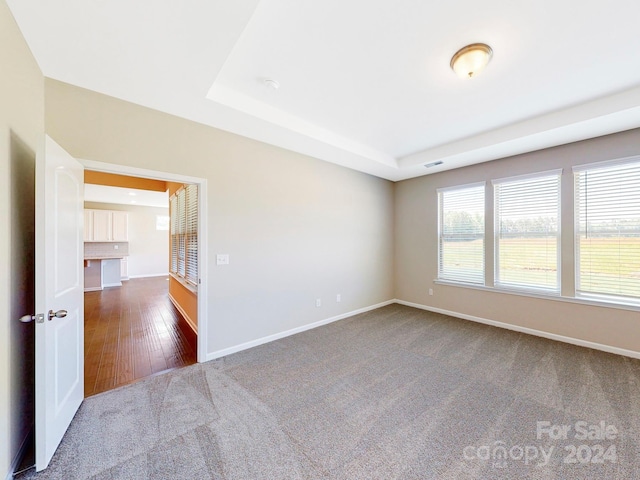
(440, 192)
(504, 285)
(606, 298)
(567, 210)
(183, 234)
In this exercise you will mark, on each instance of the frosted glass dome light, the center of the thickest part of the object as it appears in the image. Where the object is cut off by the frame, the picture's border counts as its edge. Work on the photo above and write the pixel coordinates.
(471, 60)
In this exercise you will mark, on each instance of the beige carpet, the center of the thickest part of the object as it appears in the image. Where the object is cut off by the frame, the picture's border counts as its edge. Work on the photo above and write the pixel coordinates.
(393, 393)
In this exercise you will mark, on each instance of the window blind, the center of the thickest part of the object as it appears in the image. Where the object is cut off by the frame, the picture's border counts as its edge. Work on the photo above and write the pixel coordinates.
(184, 233)
(191, 234)
(607, 203)
(527, 237)
(173, 213)
(461, 234)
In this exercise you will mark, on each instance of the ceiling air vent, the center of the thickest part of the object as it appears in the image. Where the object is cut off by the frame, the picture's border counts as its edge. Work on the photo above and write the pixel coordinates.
(433, 164)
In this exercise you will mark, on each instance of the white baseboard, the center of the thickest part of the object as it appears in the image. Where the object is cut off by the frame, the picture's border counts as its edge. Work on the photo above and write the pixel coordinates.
(193, 324)
(530, 331)
(293, 331)
(93, 289)
(114, 284)
(149, 276)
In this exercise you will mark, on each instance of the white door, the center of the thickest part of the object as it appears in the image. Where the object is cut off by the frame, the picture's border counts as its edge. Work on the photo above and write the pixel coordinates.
(59, 288)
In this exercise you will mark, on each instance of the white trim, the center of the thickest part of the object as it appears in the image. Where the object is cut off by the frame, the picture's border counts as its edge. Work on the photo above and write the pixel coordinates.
(203, 294)
(293, 331)
(528, 176)
(530, 331)
(203, 314)
(530, 293)
(92, 289)
(461, 187)
(606, 163)
(118, 284)
(149, 275)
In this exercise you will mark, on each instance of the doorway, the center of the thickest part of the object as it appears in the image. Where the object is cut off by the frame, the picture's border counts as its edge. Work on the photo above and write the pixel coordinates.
(146, 324)
(133, 332)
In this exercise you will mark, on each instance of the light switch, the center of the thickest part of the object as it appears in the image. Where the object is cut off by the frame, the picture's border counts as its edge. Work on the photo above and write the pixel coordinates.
(222, 259)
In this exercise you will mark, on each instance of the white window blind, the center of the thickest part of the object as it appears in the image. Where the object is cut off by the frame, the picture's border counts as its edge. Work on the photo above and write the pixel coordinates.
(173, 213)
(608, 230)
(184, 233)
(191, 234)
(527, 237)
(461, 234)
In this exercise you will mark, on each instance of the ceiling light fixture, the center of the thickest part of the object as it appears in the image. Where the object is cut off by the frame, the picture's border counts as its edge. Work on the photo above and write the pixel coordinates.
(471, 60)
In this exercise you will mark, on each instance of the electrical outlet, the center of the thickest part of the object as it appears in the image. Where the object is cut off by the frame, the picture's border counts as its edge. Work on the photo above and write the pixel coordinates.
(431, 291)
(318, 302)
(116, 246)
(222, 259)
(338, 298)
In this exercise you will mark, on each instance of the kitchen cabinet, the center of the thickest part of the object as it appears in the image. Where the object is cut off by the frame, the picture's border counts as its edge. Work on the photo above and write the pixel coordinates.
(106, 226)
(100, 273)
(88, 226)
(101, 226)
(124, 269)
(119, 226)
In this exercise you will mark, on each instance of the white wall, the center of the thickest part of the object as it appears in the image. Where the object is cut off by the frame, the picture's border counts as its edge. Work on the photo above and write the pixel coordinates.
(148, 247)
(296, 228)
(21, 136)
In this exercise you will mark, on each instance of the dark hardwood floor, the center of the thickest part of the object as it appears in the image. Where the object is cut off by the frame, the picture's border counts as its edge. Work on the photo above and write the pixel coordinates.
(132, 332)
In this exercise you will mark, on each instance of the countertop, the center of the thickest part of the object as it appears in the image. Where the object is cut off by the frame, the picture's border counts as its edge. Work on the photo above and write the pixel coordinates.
(104, 257)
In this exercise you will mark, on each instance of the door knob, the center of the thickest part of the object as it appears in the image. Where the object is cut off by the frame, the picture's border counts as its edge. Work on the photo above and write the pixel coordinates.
(58, 314)
(39, 318)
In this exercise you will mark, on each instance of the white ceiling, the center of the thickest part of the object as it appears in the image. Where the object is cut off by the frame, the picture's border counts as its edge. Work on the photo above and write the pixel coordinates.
(363, 83)
(125, 196)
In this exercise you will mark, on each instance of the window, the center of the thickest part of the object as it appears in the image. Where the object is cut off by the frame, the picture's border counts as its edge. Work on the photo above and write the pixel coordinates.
(527, 237)
(184, 233)
(461, 234)
(607, 214)
(162, 222)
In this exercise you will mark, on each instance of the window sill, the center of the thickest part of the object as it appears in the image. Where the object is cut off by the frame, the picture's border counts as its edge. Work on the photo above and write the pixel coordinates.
(189, 286)
(557, 298)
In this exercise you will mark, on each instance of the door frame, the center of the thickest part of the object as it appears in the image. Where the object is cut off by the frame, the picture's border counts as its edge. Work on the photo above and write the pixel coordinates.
(202, 233)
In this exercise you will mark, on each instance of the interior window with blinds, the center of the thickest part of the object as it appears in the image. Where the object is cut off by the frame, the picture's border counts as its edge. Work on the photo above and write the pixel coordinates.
(527, 237)
(607, 213)
(184, 233)
(461, 234)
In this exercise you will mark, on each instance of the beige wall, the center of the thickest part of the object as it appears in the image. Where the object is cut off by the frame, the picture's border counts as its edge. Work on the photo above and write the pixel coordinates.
(148, 247)
(21, 130)
(417, 246)
(296, 228)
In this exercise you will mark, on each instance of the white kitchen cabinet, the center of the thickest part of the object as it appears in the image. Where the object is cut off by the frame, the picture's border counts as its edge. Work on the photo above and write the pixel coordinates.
(88, 226)
(101, 226)
(119, 226)
(106, 226)
(124, 269)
